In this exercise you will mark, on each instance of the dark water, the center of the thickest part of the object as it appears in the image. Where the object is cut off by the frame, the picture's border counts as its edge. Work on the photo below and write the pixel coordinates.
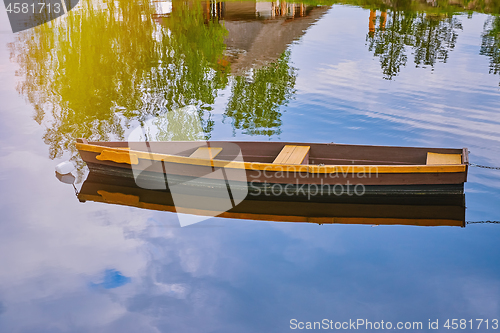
(252, 72)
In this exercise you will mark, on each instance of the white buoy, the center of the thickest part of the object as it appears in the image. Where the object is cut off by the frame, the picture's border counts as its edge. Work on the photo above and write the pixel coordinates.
(66, 178)
(65, 167)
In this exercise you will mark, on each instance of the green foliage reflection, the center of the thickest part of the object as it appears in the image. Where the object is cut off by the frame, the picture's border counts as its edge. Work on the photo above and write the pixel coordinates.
(254, 104)
(99, 72)
(490, 45)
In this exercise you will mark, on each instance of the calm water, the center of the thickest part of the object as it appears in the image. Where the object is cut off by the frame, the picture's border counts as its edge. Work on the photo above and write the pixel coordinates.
(254, 72)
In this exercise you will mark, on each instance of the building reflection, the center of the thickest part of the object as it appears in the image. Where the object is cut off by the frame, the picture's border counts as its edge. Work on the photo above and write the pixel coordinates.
(253, 43)
(249, 10)
(373, 19)
(258, 33)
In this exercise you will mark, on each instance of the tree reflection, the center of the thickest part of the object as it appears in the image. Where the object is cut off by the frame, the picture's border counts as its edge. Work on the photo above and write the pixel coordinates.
(429, 38)
(389, 43)
(100, 72)
(434, 38)
(255, 101)
(181, 124)
(490, 45)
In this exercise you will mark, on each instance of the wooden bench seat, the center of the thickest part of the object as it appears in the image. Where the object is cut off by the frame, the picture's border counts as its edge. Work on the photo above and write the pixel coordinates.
(443, 159)
(293, 155)
(207, 153)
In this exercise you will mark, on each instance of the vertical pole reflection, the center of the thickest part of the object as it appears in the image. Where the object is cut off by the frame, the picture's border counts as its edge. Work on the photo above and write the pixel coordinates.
(371, 22)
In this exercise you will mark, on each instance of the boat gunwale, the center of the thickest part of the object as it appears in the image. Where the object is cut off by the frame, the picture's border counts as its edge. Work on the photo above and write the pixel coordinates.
(312, 169)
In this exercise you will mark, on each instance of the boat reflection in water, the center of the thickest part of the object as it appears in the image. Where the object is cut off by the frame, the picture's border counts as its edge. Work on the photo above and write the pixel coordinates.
(439, 210)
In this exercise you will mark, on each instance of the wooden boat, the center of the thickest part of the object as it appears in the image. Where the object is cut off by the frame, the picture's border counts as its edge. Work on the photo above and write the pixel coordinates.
(300, 168)
(387, 210)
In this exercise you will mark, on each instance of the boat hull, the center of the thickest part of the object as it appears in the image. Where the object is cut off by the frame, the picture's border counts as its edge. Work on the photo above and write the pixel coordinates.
(397, 175)
(294, 189)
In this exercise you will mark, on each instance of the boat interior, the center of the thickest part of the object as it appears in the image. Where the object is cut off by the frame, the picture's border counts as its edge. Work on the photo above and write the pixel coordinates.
(299, 153)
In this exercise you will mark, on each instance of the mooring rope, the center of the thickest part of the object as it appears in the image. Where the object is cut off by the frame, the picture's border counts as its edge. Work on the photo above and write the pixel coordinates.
(477, 222)
(483, 166)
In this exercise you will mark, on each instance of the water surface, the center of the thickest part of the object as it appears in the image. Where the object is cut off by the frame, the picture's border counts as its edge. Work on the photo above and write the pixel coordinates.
(365, 74)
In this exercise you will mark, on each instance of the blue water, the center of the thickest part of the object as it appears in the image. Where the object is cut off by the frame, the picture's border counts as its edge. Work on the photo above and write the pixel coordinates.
(73, 267)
